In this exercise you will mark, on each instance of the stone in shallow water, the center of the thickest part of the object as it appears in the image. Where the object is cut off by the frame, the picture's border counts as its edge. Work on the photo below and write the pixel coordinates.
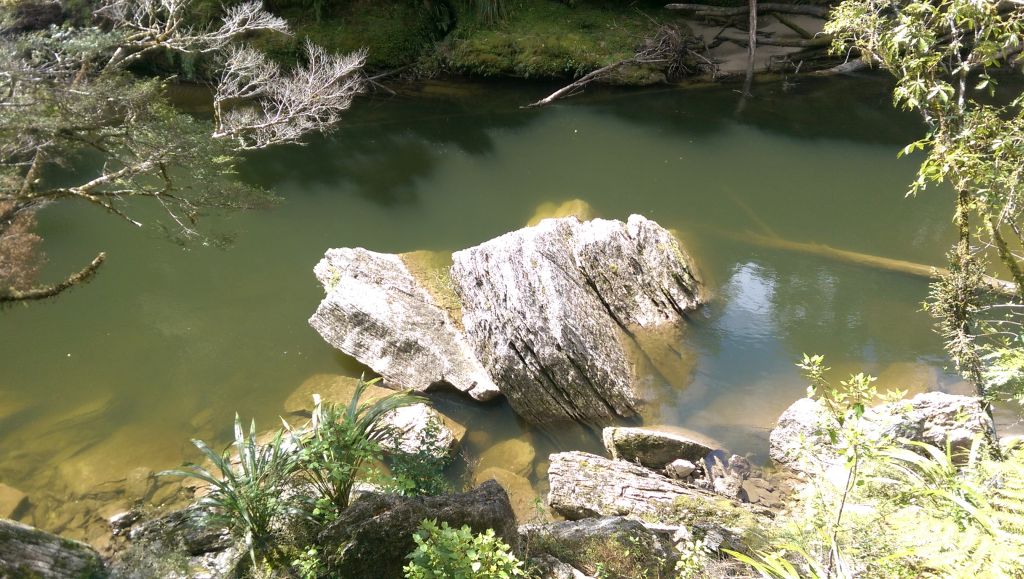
(13, 502)
(515, 455)
(652, 448)
(679, 468)
(520, 491)
(577, 208)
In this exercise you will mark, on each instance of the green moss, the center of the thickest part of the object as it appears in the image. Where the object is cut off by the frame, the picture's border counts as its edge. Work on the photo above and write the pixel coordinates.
(547, 39)
(614, 555)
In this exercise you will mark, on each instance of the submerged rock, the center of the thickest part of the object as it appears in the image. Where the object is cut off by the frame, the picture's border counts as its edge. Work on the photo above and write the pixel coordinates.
(617, 546)
(652, 448)
(520, 491)
(515, 455)
(28, 552)
(799, 440)
(377, 312)
(550, 309)
(13, 502)
(373, 536)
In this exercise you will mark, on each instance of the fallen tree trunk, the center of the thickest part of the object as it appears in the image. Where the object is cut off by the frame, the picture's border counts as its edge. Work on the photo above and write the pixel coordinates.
(993, 284)
(580, 82)
(705, 10)
(741, 38)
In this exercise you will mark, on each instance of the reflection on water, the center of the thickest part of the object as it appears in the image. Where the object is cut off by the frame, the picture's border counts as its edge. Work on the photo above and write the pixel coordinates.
(167, 343)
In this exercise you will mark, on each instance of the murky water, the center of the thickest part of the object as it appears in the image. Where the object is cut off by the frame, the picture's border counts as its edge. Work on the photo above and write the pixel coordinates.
(167, 343)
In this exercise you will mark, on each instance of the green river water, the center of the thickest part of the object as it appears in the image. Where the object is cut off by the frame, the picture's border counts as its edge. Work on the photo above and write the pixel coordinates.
(168, 342)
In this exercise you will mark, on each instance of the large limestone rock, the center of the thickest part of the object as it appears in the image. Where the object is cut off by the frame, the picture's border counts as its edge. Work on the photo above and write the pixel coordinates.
(653, 448)
(586, 485)
(374, 535)
(551, 309)
(178, 545)
(564, 317)
(377, 312)
(800, 440)
(617, 546)
(28, 552)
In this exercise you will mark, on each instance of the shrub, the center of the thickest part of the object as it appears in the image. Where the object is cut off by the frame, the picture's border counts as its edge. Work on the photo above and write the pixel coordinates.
(343, 439)
(246, 498)
(444, 552)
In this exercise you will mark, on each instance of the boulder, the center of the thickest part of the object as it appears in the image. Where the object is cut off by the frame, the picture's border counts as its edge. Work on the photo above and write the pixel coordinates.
(799, 440)
(619, 546)
(181, 544)
(515, 455)
(551, 309)
(680, 469)
(652, 448)
(13, 502)
(520, 491)
(377, 312)
(547, 567)
(586, 485)
(373, 536)
(28, 552)
(422, 429)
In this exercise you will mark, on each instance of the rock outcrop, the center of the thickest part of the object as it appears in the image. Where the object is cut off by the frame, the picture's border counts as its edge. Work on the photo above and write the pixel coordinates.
(799, 440)
(377, 312)
(618, 546)
(652, 448)
(374, 534)
(550, 310)
(585, 485)
(28, 552)
(558, 316)
(181, 544)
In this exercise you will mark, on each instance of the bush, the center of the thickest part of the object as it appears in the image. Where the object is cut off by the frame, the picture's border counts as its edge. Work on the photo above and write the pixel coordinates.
(444, 552)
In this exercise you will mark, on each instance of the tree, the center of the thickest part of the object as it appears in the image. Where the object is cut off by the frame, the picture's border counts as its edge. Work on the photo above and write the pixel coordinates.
(946, 56)
(65, 94)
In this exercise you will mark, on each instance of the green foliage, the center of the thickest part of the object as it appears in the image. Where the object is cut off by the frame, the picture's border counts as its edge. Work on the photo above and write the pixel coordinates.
(343, 439)
(444, 552)
(898, 508)
(421, 472)
(308, 564)
(247, 498)
(944, 56)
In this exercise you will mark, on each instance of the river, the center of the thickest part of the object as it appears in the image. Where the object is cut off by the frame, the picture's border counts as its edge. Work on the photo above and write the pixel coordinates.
(168, 342)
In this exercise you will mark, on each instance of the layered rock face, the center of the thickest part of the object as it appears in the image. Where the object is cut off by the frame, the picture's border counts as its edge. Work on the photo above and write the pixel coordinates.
(548, 309)
(28, 552)
(378, 313)
(554, 316)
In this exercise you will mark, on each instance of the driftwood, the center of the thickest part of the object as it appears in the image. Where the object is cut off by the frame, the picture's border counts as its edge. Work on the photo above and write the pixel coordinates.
(993, 284)
(788, 23)
(743, 39)
(847, 67)
(580, 82)
(705, 10)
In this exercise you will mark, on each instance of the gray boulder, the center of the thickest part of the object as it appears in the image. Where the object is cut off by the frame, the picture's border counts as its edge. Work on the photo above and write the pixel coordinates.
(377, 312)
(586, 485)
(799, 440)
(28, 552)
(374, 534)
(619, 546)
(652, 448)
(552, 309)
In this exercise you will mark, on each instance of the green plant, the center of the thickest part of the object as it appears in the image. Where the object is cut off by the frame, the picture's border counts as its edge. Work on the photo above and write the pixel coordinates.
(421, 472)
(247, 498)
(342, 440)
(444, 552)
(308, 564)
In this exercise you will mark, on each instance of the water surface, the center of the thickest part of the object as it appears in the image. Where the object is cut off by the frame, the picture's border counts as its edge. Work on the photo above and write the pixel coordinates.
(168, 342)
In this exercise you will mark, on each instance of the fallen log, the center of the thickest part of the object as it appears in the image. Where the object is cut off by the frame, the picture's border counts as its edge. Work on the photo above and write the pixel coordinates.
(705, 10)
(580, 82)
(789, 23)
(996, 285)
(742, 39)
